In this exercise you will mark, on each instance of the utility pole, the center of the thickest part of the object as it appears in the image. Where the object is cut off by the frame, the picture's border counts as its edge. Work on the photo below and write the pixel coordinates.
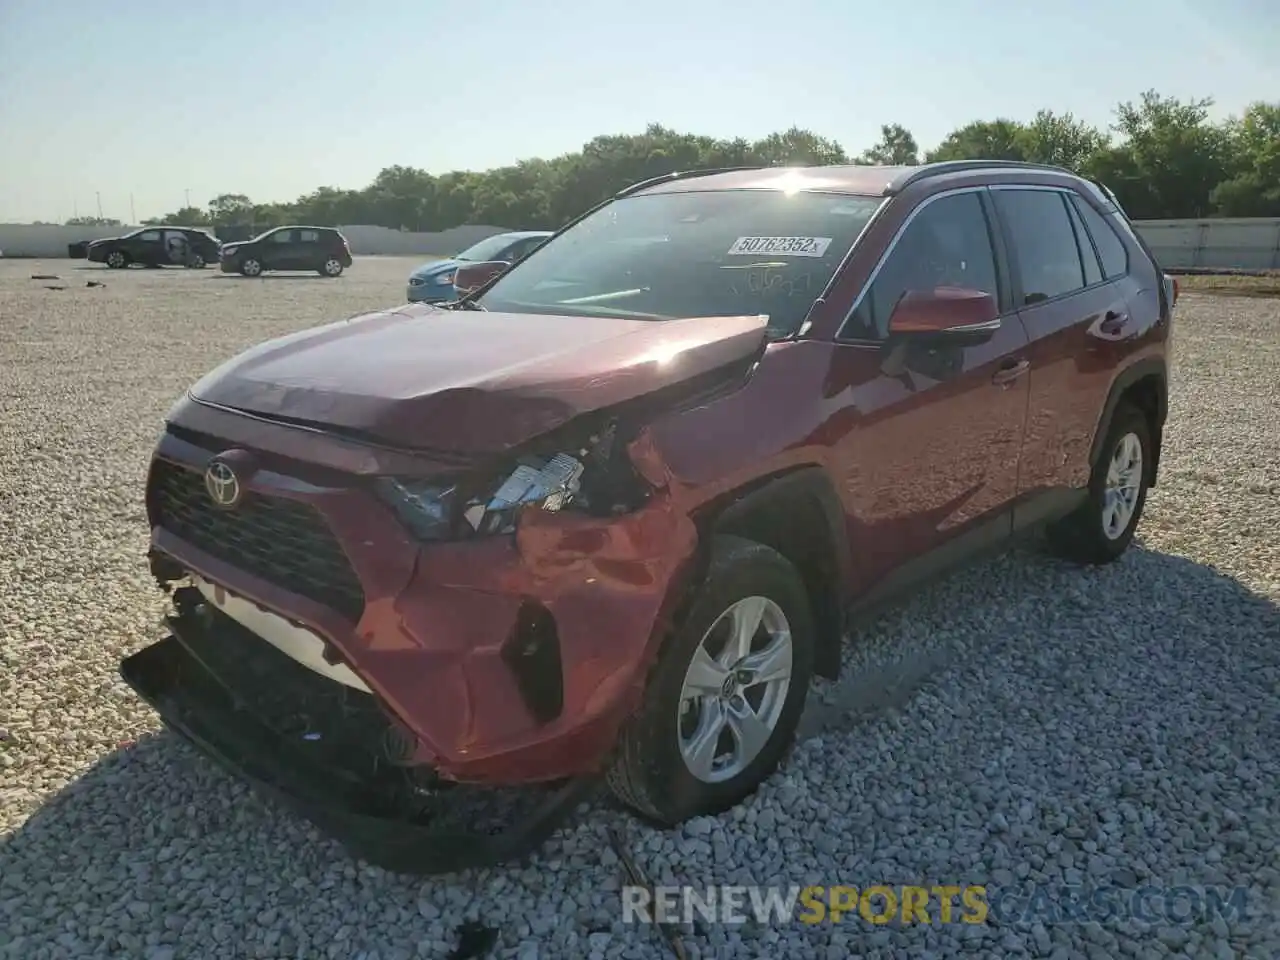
(99, 196)
(75, 209)
(186, 193)
(133, 214)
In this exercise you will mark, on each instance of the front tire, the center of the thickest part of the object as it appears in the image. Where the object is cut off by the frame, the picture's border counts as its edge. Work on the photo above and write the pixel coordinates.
(331, 268)
(251, 267)
(1102, 527)
(725, 697)
(117, 259)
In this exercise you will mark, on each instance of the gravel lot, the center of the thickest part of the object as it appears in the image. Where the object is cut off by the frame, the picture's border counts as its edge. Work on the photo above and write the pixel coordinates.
(1024, 722)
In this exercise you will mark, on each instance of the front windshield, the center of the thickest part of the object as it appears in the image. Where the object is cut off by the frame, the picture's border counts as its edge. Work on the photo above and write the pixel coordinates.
(490, 248)
(666, 256)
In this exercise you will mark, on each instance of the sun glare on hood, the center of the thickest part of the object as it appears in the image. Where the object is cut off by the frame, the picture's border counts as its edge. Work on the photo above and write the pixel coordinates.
(665, 353)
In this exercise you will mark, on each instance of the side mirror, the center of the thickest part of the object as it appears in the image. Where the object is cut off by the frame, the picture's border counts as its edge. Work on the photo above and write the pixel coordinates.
(952, 315)
(473, 276)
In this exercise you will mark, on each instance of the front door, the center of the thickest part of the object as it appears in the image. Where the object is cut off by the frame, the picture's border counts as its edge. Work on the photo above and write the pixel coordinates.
(148, 247)
(929, 463)
(280, 250)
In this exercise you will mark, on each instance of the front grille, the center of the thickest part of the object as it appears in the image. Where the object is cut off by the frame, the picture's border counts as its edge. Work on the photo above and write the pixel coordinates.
(281, 541)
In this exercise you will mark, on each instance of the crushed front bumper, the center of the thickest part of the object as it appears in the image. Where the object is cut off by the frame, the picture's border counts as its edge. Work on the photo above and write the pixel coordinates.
(510, 659)
(330, 752)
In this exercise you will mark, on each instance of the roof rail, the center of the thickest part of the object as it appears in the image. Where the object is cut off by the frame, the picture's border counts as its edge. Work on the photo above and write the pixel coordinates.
(927, 170)
(678, 175)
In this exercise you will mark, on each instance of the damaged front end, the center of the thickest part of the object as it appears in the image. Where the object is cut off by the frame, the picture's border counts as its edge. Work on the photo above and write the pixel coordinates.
(430, 653)
(329, 751)
(448, 700)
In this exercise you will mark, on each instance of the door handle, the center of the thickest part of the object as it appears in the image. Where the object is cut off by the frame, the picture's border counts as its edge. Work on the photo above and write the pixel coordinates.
(1113, 322)
(1010, 370)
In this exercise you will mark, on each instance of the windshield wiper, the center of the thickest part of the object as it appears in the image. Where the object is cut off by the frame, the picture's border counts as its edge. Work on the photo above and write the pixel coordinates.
(463, 304)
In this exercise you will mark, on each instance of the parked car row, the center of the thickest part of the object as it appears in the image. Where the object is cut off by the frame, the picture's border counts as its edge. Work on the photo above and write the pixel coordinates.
(323, 250)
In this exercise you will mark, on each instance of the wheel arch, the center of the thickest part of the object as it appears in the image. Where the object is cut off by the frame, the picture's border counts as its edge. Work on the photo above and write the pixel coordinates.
(798, 513)
(1145, 384)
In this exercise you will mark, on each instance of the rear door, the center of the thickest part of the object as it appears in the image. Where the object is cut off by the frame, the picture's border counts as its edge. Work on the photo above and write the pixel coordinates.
(1070, 307)
(203, 244)
(176, 243)
(314, 248)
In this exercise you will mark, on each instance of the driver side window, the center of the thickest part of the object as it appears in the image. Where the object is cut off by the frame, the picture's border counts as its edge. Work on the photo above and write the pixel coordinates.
(946, 244)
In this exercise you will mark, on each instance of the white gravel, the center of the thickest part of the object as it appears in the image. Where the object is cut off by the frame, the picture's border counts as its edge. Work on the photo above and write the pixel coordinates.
(1023, 722)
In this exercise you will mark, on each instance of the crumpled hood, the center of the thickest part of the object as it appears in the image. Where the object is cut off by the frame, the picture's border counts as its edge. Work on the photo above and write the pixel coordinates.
(470, 382)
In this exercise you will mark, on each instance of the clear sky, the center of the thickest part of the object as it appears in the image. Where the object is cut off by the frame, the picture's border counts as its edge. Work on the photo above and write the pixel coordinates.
(152, 98)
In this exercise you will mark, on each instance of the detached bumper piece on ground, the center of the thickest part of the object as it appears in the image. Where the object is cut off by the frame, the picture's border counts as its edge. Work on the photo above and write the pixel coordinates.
(329, 752)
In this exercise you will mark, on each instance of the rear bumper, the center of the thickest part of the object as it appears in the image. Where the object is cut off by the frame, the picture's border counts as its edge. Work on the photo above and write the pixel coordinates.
(355, 796)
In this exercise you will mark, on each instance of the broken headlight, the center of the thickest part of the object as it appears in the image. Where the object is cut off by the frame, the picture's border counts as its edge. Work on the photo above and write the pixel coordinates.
(435, 512)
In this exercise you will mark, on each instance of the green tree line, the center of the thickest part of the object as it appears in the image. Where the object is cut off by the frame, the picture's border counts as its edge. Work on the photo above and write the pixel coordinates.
(1162, 156)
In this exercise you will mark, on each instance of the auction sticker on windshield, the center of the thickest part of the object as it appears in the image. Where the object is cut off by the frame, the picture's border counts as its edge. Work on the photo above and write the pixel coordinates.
(780, 246)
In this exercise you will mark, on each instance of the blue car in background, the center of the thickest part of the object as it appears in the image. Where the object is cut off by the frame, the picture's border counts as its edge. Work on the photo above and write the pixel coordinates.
(433, 282)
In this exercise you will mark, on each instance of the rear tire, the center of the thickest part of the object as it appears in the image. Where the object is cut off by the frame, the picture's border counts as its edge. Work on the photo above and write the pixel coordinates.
(252, 267)
(674, 733)
(331, 268)
(1102, 527)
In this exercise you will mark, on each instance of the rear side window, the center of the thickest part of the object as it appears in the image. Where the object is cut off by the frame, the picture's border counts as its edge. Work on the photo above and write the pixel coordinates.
(150, 235)
(1043, 242)
(1111, 249)
(1089, 256)
(310, 236)
(946, 244)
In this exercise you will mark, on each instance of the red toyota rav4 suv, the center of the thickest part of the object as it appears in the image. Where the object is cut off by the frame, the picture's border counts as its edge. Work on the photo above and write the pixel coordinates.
(610, 511)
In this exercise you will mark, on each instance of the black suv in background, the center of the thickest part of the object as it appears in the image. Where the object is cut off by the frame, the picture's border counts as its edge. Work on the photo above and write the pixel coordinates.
(156, 247)
(322, 249)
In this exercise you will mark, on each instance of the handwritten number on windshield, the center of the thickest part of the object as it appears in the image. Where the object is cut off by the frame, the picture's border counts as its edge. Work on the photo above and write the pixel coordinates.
(768, 279)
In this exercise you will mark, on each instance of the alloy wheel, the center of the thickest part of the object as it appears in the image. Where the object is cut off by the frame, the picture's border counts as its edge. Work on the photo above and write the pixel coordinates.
(1123, 487)
(735, 689)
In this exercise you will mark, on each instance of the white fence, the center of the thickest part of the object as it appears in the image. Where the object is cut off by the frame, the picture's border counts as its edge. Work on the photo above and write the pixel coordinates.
(1224, 244)
(40, 240)
(1241, 244)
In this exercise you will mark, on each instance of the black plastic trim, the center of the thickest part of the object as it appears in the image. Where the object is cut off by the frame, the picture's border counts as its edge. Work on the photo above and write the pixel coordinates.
(194, 704)
(806, 483)
(1148, 367)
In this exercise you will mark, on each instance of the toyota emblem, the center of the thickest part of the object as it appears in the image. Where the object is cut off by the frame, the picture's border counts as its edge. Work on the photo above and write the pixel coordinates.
(222, 484)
